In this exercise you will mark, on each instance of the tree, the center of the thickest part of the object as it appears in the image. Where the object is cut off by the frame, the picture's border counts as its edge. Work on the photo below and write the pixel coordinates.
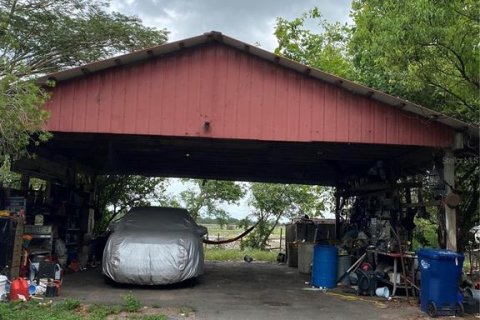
(42, 36)
(116, 194)
(273, 202)
(22, 119)
(422, 50)
(205, 196)
(325, 49)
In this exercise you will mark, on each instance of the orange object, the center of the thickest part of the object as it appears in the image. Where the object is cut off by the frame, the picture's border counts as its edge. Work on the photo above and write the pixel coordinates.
(27, 237)
(58, 284)
(18, 288)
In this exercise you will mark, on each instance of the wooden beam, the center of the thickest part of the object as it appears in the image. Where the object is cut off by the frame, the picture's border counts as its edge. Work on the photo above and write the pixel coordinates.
(450, 213)
(421, 204)
(337, 214)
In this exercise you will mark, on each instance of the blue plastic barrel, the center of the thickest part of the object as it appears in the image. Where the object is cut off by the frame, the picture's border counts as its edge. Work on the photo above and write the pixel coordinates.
(440, 272)
(324, 269)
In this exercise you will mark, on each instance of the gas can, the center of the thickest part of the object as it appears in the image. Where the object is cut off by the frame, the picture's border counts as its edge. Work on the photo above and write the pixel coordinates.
(19, 290)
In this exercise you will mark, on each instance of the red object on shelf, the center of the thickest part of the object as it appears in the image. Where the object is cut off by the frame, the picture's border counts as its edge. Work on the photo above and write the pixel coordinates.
(366, 266)
(58, 284)
(18, 288)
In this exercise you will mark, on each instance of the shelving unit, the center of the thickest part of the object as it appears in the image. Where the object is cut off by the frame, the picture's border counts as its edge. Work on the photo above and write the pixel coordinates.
(42, 239)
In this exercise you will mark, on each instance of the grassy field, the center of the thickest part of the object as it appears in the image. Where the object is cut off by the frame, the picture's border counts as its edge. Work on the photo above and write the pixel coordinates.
(216, 254)
(232, 251)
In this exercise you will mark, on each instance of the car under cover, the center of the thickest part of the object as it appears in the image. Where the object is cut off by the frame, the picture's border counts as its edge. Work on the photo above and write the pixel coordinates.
(154, 246)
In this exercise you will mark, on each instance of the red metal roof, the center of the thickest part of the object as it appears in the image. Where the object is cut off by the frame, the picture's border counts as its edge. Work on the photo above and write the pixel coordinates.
(205, 88)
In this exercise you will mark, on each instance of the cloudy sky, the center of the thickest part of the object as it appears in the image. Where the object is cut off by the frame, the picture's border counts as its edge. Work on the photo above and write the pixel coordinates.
(251, 21)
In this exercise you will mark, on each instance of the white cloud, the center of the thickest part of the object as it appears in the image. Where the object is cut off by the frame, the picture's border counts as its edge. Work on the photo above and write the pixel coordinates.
(247, 20)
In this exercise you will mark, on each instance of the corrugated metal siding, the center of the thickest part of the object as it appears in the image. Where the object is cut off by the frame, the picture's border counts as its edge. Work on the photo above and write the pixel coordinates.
(241, 96)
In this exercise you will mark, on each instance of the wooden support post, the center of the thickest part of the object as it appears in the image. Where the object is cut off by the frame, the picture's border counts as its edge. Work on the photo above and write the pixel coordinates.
(450, 213)
(337, 214)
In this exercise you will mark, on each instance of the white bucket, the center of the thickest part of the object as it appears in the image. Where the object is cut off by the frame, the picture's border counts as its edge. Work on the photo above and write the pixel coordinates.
(383, 292)
(3, 283)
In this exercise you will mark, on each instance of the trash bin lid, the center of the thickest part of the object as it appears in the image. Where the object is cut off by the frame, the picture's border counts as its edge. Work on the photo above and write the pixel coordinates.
(439, 254)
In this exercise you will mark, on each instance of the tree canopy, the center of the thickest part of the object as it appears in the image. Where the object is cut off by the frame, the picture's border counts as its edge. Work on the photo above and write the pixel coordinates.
(325, 49)
(116, 194)
(273, 202)
(206, 196)
(42, 36)
(422, 50)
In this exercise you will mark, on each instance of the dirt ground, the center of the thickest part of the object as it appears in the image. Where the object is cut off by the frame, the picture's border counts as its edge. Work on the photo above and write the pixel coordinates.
(242, 291)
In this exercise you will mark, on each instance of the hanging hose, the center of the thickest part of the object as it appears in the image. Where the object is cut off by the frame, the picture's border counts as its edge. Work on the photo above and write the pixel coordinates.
(206, 241)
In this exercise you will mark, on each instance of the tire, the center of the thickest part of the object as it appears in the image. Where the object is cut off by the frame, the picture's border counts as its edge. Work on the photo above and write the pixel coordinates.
(460, 311)
(109, 281)
(432, 309)
(192, 282)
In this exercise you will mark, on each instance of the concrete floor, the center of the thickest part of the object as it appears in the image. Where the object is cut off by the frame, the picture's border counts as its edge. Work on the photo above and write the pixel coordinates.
(242, 291)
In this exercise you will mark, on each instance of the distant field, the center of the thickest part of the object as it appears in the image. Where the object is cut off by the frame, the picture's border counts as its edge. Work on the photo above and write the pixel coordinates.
(215, 254)
(231, 231)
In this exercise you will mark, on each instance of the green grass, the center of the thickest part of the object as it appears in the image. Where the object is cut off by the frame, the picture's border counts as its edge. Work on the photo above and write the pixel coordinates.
(130, 303)
(38, 311)
(216, 254)
(154, 317)
(102, 311)
(72, 310)
(185, 311)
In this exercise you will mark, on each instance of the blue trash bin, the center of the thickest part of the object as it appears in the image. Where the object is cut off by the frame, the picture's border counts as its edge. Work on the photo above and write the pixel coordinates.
(440, 272)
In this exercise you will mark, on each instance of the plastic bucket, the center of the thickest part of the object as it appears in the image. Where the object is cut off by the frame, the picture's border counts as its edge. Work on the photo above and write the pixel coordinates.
(3, 286)
(324, 271)
(32, 289)
(382, 292)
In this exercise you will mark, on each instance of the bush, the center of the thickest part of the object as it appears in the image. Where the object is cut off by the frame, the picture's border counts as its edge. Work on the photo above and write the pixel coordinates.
(425, 234)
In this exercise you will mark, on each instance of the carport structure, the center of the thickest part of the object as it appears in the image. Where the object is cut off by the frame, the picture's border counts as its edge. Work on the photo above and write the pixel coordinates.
(214, 107)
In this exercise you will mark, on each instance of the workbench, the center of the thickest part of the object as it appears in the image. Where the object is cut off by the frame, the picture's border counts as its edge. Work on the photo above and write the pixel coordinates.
(398, 281)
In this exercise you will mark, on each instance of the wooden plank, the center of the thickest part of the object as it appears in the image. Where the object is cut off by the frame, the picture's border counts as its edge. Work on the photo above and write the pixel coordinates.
(17, 249)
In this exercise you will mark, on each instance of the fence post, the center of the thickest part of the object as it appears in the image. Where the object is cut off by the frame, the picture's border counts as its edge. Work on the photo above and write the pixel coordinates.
(281, 234)
(207, 239)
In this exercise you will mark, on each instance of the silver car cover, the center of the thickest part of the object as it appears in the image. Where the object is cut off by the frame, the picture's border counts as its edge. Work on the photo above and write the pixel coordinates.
(154, 245)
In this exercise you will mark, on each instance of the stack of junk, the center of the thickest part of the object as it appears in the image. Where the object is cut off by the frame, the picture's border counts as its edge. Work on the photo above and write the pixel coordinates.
(377, 262)
(29, 267)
